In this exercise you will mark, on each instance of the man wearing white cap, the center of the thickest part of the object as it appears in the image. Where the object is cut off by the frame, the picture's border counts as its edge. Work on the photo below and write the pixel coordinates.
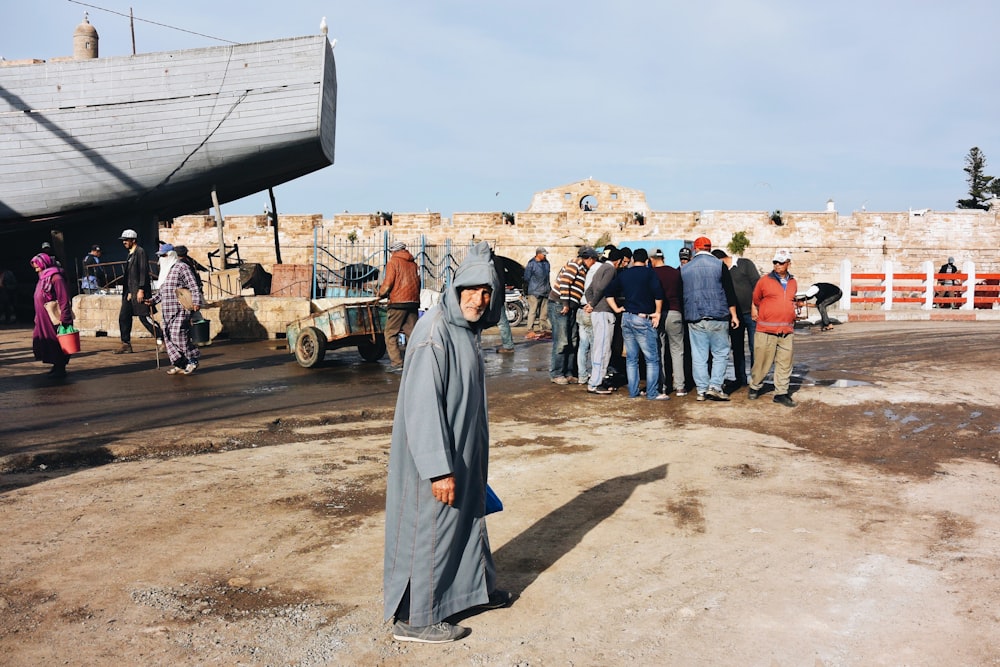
(402, 287)
(134, 293)
(774, 312)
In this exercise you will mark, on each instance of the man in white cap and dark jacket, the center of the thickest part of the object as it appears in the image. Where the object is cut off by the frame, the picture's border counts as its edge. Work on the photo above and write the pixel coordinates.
(134, 292)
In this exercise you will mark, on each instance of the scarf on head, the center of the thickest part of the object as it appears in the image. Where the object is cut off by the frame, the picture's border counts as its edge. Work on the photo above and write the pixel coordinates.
(48, 269)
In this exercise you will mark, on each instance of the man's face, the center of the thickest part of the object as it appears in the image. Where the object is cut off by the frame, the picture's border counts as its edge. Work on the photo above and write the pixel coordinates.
(782, 267)
(539, 257)
(128, 243)
(589, 261)
(474, 301)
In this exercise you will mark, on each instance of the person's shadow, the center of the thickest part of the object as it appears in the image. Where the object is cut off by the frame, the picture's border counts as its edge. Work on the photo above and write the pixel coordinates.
(522, 559)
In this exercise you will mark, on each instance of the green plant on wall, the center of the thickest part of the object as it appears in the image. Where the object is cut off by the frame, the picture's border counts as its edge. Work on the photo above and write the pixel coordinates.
(738, 244)
(352, 237)
(604, 240)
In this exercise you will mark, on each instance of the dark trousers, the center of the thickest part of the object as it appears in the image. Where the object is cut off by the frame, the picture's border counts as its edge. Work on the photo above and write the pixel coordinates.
(737, 338)
(132, 308)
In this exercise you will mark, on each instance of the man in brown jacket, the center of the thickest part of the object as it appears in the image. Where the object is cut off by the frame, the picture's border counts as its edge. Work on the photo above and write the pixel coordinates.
(402, 287)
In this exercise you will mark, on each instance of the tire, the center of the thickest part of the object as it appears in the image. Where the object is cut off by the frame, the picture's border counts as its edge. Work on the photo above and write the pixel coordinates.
(372, 351)
(310, 347)
(516, 313)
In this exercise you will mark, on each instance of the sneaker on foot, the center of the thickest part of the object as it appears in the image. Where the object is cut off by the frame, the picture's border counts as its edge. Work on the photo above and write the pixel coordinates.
(599, 390)
(439, 633)
(190, 368)
(786, 400)
(560, 380)
(571, 380)
(174, 370)
(661, 397)
(716, 394)
(753, 394)
(126, 348)
(701, 396)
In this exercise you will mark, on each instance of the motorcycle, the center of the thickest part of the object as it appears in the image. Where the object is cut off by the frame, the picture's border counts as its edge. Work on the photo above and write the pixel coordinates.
(515, 305)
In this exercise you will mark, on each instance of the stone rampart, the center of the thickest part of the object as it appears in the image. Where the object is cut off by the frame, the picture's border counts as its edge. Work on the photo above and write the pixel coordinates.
(818, 240)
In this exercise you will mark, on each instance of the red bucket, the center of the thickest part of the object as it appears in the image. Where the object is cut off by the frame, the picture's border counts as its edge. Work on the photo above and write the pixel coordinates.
(69, 342)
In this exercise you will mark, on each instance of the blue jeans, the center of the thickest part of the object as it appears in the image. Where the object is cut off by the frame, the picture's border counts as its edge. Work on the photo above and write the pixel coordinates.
(639, 334)
(563, 352)
(709, 337)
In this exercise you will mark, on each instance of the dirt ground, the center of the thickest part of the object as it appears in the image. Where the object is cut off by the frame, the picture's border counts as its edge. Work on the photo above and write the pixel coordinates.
(860, 528)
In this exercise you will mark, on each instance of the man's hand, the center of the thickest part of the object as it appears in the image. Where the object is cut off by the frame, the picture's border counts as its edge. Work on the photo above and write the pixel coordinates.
(443, 489)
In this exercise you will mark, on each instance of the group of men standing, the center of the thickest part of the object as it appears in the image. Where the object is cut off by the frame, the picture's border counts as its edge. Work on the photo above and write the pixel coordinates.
(684, 322)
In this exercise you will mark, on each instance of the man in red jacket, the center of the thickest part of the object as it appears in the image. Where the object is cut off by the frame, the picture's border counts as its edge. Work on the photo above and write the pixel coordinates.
(402, 287)
(773, 310)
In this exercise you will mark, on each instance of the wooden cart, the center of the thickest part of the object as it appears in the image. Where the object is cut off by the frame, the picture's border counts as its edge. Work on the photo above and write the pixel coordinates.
(347, 323)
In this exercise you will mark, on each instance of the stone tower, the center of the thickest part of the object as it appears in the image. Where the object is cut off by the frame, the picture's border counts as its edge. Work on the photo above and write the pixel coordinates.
(85, 40)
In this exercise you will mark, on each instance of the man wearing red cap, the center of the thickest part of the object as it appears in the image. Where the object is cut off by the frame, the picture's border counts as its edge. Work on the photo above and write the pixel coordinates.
(710, 311)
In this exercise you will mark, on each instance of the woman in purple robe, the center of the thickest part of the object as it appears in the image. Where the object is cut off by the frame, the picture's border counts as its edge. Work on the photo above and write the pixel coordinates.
(51, 287)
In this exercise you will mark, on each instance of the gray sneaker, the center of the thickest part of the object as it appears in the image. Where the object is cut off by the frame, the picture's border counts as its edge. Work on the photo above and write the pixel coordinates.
(439, 633)
(716, 394)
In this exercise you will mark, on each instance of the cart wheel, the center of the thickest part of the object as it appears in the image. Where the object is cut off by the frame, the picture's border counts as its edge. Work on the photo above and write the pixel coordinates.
(310, 347)
(516, 314)
(372, 350)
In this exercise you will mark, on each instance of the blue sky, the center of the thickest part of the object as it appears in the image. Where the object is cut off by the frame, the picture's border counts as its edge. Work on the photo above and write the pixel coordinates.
(460, 105)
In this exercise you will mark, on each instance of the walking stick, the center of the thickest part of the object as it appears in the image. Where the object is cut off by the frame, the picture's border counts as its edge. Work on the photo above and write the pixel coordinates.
(156, 325)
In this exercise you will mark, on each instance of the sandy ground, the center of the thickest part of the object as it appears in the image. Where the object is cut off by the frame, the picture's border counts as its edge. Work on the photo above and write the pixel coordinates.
(857, 529)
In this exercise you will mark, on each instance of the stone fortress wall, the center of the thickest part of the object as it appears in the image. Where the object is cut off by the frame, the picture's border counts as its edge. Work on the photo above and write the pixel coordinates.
(556, 219)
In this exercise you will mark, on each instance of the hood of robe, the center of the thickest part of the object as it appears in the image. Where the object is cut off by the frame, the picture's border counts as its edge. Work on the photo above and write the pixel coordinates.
(477, 269)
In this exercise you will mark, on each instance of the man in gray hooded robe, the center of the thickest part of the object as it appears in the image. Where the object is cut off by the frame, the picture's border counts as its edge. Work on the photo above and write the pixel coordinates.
(437, 553)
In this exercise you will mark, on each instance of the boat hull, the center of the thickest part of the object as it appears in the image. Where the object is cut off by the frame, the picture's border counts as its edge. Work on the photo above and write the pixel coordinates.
(153, 134)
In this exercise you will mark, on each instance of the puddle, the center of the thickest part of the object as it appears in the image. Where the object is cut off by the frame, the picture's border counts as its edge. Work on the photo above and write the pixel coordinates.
(265, 389)
(840, 383)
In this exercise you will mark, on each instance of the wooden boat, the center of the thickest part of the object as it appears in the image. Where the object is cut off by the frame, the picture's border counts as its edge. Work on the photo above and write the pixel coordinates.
(149, 136)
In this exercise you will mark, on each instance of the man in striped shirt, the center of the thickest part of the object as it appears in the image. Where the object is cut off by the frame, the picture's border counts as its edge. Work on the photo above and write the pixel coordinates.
(564, 300)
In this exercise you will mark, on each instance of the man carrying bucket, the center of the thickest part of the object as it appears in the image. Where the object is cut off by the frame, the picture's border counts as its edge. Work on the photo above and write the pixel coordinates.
(179, 296)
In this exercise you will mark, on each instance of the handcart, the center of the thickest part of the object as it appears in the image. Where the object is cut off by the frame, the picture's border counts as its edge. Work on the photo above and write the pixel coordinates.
(344, 323)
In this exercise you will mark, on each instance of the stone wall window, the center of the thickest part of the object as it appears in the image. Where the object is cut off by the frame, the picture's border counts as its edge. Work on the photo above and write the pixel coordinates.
(588, 203)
